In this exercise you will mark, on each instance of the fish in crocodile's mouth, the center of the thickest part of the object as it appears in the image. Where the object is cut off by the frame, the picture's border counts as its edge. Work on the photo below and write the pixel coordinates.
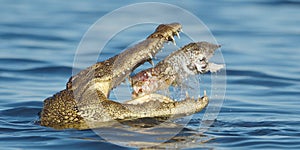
(191, 59)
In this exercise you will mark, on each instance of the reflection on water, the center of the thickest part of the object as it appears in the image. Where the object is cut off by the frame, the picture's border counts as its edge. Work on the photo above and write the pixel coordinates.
(259, 43)
(141, 133)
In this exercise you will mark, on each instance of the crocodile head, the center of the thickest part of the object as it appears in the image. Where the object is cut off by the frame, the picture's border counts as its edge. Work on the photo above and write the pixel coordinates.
(124, 63)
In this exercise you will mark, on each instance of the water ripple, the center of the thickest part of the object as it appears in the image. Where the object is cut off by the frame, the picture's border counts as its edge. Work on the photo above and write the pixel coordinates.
(273, 3)
(21, 61)
(260, 38)
(257, 74)
(10, 36)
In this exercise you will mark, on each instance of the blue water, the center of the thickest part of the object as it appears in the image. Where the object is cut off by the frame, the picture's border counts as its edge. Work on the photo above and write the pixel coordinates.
(260, 45)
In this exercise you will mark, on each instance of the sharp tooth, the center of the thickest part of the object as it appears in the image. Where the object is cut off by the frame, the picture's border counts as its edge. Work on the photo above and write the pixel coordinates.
(174, 42)
(123, 73)
(172, 38)
(151, 62)
(153, 51)
(128, 68)
(150, 55)
(186, 94)
(177, 34)
(204, 92)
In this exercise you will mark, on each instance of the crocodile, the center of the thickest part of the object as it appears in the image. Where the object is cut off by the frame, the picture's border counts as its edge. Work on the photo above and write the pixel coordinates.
(85, 103)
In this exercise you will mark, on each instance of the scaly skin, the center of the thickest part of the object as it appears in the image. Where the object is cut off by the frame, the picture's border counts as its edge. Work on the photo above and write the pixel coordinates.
(191, 59)
(85, 104)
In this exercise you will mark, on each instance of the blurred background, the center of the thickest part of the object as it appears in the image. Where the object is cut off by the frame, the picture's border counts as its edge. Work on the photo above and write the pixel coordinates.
(260, 45)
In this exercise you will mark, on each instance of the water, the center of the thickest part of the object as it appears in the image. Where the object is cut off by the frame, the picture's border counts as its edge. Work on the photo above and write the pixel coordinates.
(260, 44)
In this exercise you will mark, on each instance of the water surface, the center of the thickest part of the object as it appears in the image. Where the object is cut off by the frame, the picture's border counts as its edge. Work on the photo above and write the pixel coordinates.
(260, 44)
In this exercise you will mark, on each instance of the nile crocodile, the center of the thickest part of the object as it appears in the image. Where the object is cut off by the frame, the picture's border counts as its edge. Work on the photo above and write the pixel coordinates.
(84, 103)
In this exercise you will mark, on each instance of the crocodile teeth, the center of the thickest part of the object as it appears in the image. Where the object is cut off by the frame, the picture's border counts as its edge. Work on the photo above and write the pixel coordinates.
(123, 73)
(150, 55)
(204, 93)
(172, 38)
(174, 42)
(151, 63)
(177, 34)
(186, 94)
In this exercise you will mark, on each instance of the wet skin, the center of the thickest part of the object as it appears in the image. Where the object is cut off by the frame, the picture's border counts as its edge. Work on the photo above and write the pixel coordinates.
(84, 102)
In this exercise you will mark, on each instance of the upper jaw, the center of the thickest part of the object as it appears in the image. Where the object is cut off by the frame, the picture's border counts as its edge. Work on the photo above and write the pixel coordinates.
(128, 60)
(167, 31)
(146, 50)
(163, 33)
